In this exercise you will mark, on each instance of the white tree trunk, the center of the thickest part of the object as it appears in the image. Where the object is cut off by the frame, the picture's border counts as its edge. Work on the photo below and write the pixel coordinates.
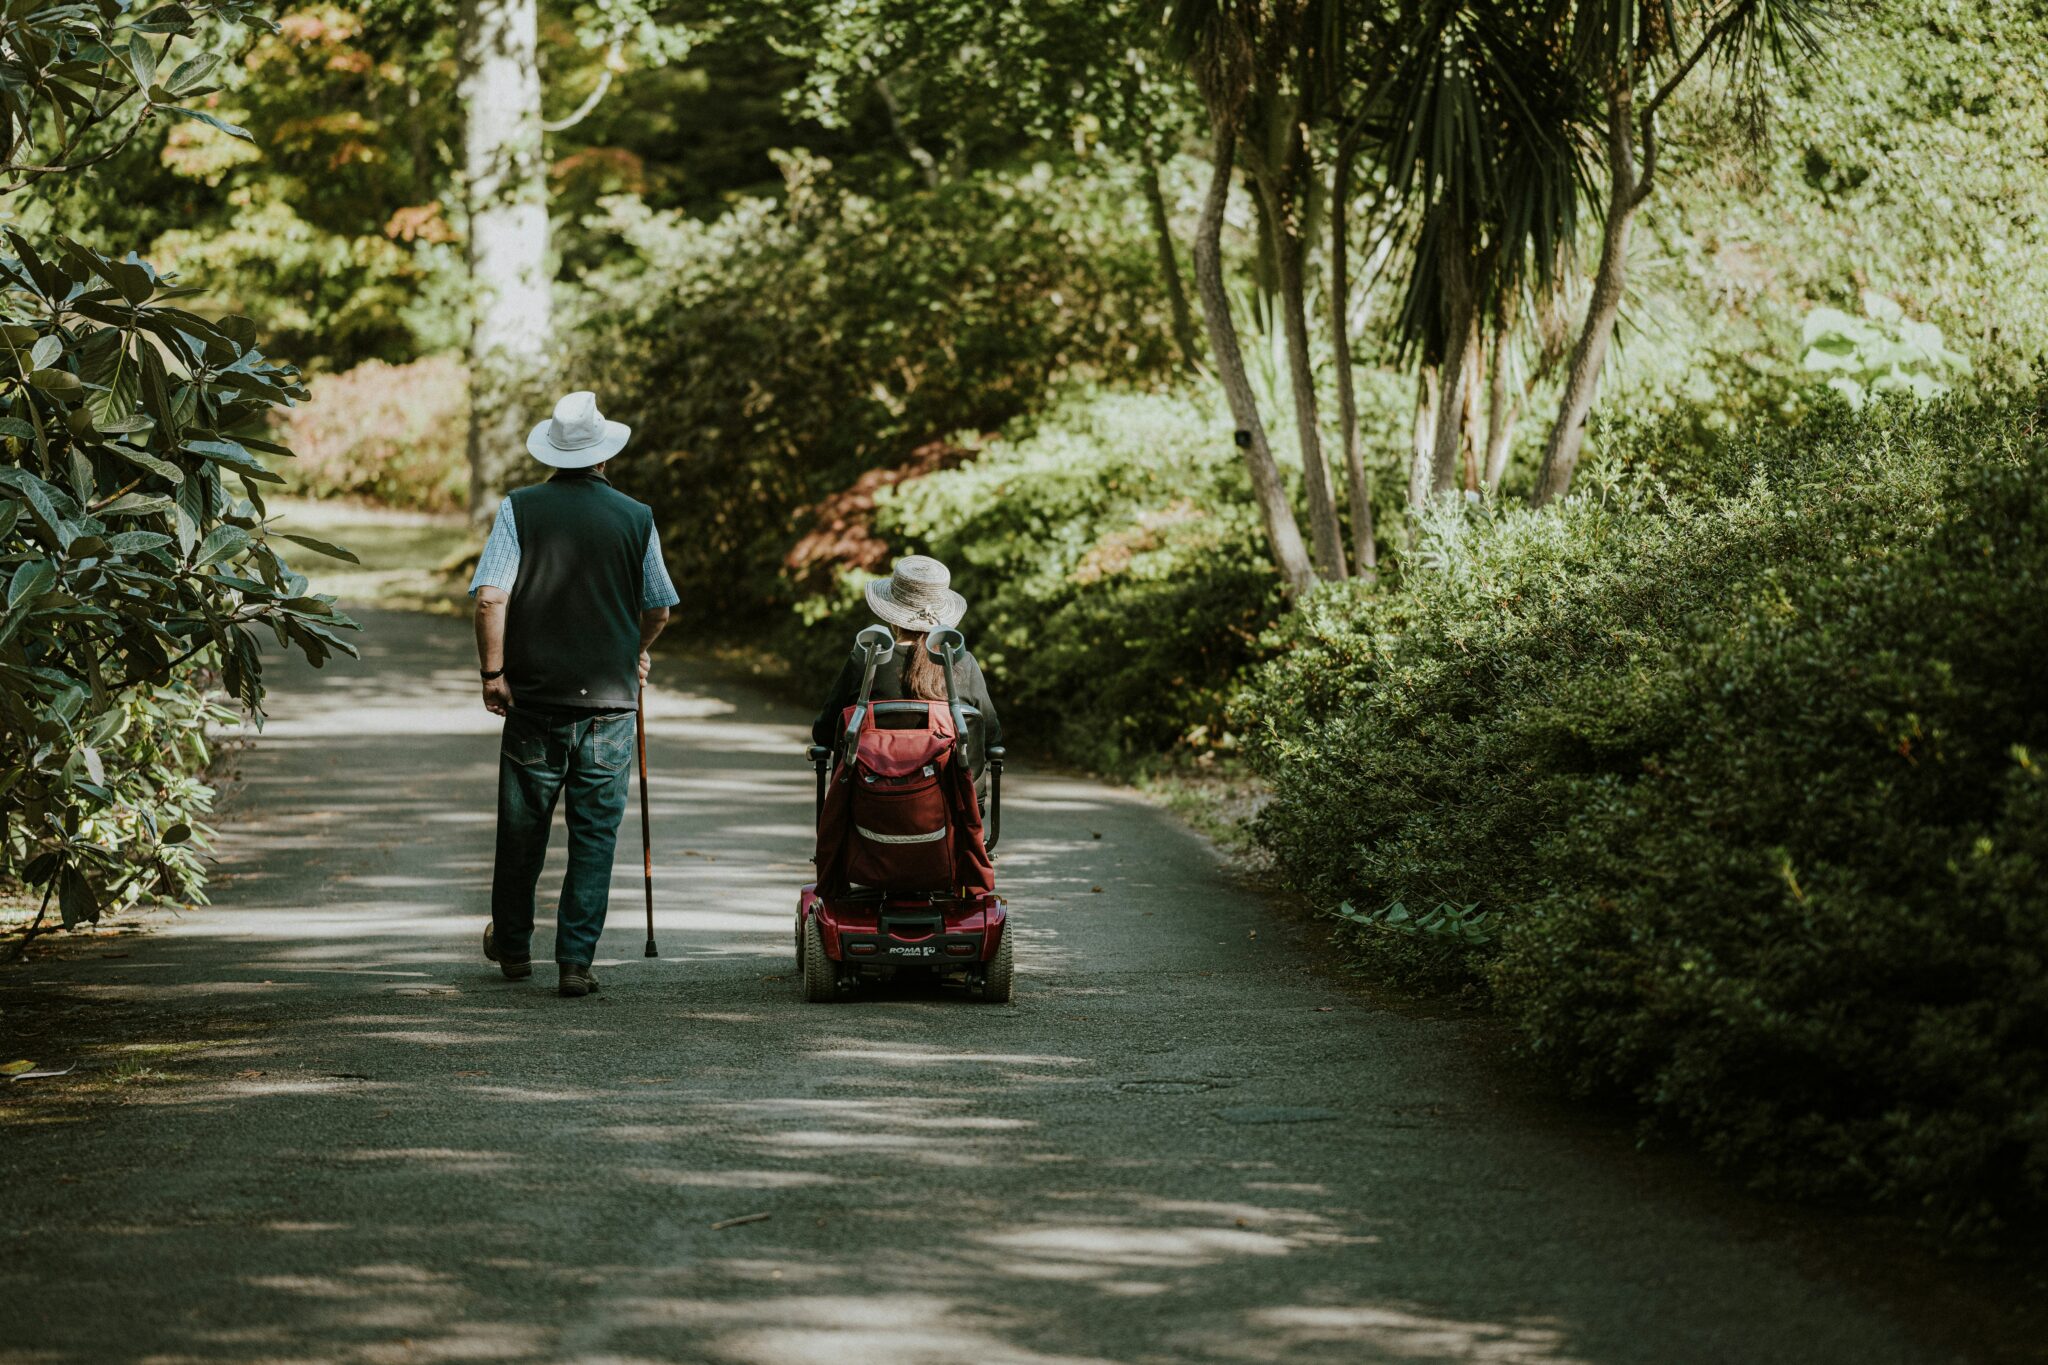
(1502, 407)
(1469, 438)
(505, 190)
(1358, 481)
(1589, 354)
(1326, 536)
(1283, 533)
(1422, 444)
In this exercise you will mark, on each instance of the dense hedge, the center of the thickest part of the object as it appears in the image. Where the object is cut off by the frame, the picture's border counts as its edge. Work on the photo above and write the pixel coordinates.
(1113, 563)
(1733, 799)
(771, 357)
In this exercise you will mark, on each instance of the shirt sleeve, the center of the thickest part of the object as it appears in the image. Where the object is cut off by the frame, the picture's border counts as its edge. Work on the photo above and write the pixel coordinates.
(498, 567)
(845, 691)
(977, 686)
(656, 589)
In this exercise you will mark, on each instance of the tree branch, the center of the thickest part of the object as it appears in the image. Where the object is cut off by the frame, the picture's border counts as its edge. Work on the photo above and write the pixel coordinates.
(1735, 15)
(35, 924)
(591, 101)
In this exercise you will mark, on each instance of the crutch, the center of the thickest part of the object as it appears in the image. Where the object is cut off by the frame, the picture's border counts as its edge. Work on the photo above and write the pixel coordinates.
(646, 837)
(946, 645)
(877, 646)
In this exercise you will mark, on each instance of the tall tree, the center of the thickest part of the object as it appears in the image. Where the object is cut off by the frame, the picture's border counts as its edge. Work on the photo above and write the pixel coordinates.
(1358, 479)
(505, 191)
(1482, 151)
(1222, 55)
(1630, 57)
(1295, 54)
(976, 79)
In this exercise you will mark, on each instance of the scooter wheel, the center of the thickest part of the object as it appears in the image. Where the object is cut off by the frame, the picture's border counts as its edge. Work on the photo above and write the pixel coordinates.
(820, 973)
(995, 985)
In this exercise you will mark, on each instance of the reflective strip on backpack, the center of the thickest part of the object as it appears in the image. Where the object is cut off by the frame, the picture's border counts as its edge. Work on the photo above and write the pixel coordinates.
(931, 838)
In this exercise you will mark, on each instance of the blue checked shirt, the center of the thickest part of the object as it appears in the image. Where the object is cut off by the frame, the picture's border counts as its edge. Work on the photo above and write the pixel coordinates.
(499, 566)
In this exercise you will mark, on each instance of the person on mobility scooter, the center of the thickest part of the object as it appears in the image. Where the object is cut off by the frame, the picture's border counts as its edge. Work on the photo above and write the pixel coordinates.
(908, 765)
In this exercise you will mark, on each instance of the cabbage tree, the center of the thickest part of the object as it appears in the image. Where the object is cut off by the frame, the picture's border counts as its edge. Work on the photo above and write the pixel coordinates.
(1630, 57)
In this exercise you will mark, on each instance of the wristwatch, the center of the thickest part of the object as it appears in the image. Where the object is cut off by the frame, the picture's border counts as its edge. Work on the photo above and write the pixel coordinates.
(491, 673)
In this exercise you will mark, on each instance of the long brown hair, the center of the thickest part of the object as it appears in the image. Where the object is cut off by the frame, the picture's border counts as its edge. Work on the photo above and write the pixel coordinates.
(922, 676)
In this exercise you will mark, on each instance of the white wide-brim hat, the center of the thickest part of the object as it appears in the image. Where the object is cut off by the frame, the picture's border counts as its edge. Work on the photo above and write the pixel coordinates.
(577, 436)
(917, 596)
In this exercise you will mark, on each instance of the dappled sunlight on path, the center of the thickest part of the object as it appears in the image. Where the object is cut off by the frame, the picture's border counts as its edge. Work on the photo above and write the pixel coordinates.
(335, 1135)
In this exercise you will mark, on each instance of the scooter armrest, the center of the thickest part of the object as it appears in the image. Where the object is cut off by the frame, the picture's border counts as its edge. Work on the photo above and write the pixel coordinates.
(995, 757)
(816, 754)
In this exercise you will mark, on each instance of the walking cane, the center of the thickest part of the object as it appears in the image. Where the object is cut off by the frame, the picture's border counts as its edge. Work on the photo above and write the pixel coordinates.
(646, 839)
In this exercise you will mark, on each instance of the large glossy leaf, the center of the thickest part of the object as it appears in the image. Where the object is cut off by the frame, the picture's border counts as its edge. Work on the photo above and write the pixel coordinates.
(231, 129)
(231, 454)
(221, 543)
(30, 581)
(162, 468)
(43, 501)
(318, 546)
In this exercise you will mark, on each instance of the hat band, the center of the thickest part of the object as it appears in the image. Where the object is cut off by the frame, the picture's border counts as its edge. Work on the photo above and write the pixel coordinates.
(926, 606)
(559, 442)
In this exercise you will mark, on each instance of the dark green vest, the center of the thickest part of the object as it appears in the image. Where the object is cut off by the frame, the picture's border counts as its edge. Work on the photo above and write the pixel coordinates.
(572, 624)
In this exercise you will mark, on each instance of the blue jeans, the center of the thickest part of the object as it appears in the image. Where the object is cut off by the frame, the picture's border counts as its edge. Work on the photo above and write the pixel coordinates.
(542, 755)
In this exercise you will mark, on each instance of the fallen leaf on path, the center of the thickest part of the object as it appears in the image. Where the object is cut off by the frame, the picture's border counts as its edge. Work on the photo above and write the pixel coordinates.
(1324, 1009)
(247, 1075)
(1096, 889)
(16, 1068)
(725, 1223)
(773, 978)
(113, 955)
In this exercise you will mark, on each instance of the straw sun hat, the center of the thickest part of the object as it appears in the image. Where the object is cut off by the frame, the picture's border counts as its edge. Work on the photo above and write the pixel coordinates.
(917, 596)
(577, 436)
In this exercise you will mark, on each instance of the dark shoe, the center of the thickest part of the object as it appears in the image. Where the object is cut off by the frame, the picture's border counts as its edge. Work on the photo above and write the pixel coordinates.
(577, 981)
(514, 968)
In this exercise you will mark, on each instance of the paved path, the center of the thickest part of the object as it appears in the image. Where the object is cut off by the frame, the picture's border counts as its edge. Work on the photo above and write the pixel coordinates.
(1179, 1145)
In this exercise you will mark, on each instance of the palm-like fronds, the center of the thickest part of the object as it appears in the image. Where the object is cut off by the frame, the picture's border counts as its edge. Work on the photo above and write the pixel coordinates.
(1485, 133)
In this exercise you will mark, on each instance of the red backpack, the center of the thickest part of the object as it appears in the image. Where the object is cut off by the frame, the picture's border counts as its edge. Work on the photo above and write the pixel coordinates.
(906, 814)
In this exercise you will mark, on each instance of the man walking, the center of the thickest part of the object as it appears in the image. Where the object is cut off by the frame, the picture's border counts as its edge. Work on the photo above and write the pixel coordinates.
(570, 593)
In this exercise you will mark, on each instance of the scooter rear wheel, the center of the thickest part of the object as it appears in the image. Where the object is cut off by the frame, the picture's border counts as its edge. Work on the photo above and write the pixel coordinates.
(820, 973)
(996, 981)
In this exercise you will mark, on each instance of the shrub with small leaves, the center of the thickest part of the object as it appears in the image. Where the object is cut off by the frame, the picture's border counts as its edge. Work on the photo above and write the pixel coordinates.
(1747, 782)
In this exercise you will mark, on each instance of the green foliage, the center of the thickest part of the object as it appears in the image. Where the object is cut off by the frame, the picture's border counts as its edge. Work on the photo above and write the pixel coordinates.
(1746, 781)
(1110, 558)
(1909, 167)
(128, 427)
(392, 434)
(772, 356)
(133, 540)
(1884, 351)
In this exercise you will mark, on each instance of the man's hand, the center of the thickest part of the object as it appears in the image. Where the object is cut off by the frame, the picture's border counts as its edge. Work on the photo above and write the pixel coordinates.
(646, 662)
(498, 696)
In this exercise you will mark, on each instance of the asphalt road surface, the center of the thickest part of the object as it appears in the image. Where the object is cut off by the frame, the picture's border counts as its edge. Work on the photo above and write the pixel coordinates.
(340, 1136)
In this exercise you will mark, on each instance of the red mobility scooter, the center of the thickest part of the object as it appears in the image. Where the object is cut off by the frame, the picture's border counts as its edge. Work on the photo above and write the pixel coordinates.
(906, 882)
